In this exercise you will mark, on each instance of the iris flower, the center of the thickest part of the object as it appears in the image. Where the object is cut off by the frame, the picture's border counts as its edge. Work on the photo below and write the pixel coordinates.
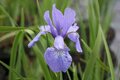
(63, 25)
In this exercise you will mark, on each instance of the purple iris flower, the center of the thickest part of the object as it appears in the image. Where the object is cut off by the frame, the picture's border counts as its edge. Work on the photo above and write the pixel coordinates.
(58, 57)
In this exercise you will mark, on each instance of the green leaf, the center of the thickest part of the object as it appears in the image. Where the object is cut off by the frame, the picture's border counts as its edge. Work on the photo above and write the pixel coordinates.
(9, 68)
(13, 54)
(10, 29)
(69, 75)
(61, 77)
(18, 65)
(7, 35)
(75, 76)
(92, 23)
(108, 56)
(86, 46)
(87, 75)
(22, 17)
(9, 17)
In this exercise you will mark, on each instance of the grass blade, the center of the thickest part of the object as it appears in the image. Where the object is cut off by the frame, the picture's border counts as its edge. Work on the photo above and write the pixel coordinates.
(7, 14)
(9, 68)
(10, 29)
(13, 54)
(87, 75)
(108, 56)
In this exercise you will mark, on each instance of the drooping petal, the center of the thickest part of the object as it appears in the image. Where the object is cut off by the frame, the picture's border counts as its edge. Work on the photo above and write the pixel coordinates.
(69, 19)
(77, 45)
(57, 60)
(73, 28)
(49, 22)
(45, 28)
(57, 17)
(34, 40)
(75, 38)
(59, 42)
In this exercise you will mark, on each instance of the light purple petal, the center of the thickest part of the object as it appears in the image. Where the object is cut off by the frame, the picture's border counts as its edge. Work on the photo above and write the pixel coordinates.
(57, 18)
(49, 22)
(70, 14)
(57, 60)
(34, 40)
(75, 38)
(78, 46)
(45, 28)
(59, 42)
(69, 19)
(73, 28)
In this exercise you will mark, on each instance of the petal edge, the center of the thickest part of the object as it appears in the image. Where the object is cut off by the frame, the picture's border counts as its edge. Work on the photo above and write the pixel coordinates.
(75, 38)
(57, 60)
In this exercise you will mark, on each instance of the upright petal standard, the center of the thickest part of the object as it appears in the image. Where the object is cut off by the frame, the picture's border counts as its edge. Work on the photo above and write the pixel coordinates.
(57, 57)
